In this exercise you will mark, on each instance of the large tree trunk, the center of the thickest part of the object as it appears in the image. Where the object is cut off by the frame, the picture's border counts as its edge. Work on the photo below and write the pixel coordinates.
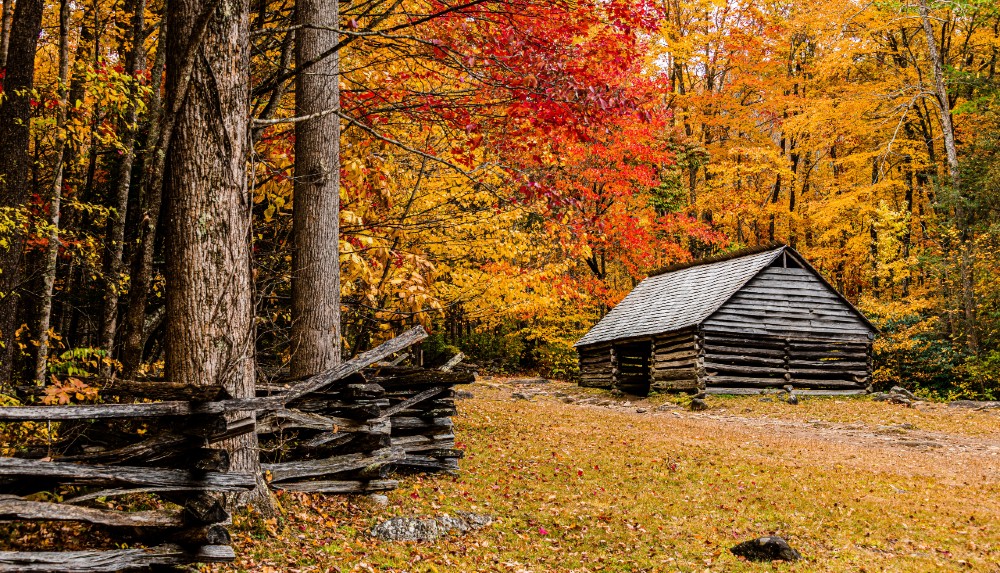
(316, 259)
(15, 163)
(209, 335)
(113, 278)
(966, 262)
(55, 202)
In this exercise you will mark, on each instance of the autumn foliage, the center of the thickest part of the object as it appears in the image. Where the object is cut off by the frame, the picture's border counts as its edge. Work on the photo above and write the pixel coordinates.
(509, 170)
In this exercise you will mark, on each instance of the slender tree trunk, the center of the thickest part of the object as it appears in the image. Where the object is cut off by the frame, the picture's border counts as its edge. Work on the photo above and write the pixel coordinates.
(209, 334)
(55, 203)
(966, 263)
(6, 16)
(151, 193)
(134, 63)
(15, 162)
(316, 259)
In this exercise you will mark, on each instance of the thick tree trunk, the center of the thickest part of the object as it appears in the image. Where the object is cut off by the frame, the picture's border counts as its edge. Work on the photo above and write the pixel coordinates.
(55, 202)
(15, 163)
(209, 335)
(316, 259)
(966, 262)
(113, 278)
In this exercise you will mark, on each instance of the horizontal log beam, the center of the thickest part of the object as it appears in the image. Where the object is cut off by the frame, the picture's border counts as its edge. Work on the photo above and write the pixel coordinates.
(85, 474)
(112, 560)
(334, 486)
(17, 508)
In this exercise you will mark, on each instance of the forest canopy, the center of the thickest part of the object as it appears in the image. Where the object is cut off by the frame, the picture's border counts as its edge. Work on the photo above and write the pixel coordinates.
(508, 171)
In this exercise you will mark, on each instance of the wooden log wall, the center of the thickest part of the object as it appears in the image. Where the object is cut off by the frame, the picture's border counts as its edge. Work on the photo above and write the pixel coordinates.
(160, 440)
(735, 361)
(785, 327)
(595, 366)
(675, 364)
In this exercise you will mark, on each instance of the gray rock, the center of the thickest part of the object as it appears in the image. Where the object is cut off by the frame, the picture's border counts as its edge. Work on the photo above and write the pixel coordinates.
(975, 404)
(463, 395)
(902, 392)
(793, 399)
(667, 407)
(379, 499)
(640, 410)
(765, 399)
(770, 548)
(569, 399)
(788, 388)
(697, 404)
(408, 529)
(430, 528)
(520, 396)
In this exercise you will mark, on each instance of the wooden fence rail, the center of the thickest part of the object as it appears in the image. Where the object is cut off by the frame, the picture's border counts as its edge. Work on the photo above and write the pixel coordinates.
(145, 471)
(347, 430)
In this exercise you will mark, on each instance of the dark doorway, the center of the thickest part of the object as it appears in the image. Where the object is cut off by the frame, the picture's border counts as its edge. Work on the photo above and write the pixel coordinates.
(633, 367)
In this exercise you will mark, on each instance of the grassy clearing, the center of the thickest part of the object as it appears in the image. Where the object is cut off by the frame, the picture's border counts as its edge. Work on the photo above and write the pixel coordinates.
(585, 488)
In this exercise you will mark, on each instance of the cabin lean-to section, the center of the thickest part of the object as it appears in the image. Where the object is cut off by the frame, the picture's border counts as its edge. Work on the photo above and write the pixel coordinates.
(748, 322)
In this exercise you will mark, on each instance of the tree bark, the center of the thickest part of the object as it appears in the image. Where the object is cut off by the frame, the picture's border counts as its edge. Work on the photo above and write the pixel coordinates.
(6, 16)
(316, 217)
(113, 279)
(15, 163)
(55, 202)
(966, 263)
(210, 309)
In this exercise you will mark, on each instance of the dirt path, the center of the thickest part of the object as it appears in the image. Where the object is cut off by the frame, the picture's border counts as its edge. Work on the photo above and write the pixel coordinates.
(958, 446)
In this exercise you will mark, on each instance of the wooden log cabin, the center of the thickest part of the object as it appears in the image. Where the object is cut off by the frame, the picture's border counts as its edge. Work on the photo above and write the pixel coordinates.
(738, 324)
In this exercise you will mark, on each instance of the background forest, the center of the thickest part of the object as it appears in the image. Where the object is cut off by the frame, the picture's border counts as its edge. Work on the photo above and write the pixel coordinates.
(510, 170)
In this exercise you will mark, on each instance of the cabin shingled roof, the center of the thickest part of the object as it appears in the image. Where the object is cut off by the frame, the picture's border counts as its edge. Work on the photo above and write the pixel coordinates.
(685, 297)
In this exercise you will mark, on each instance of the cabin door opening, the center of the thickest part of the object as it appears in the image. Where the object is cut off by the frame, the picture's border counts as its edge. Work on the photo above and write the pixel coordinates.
(634, 371)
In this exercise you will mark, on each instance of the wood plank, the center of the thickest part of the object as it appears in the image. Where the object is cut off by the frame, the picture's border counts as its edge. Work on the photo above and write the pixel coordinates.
(85, 474)
(338, 464)
(452, 362)
(743, 327)
(743, 381)
(795, 321)
(358, 363)
(725, 338)
(339, 487)
(17, 508)
(430, 393)
(674, 364)
(803, 391)
(680, 374)
(714, 350)
(412, 377)
(668, 356)
(111, 560)
(768, 371)
(743, 359)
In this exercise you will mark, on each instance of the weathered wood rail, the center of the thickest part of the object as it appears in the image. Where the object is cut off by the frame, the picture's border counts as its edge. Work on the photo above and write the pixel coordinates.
(105, 465)
(347, 430)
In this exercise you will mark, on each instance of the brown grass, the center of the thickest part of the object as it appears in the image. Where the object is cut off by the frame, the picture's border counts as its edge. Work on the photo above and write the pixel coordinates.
(587, 488)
